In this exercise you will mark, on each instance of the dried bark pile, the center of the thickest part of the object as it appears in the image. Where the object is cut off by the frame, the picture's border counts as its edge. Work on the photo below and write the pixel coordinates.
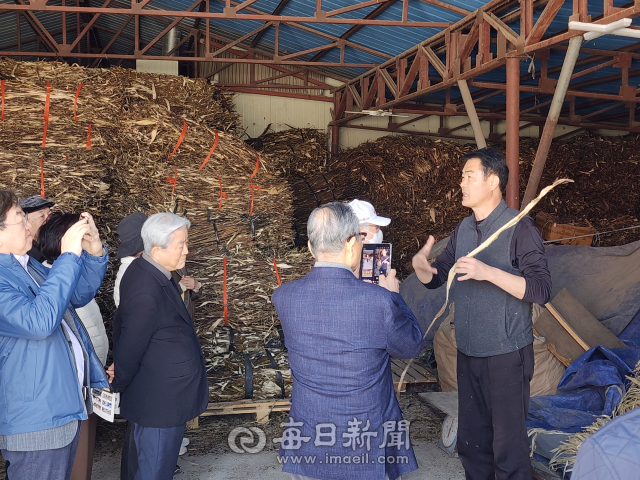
(605, 194)
(301, 156)
(412, 180)
(293, 152)
(415, 182)
(133, 164)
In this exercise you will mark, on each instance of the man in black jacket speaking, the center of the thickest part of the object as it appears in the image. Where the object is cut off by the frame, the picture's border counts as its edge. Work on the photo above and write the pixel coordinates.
(494, 333)
(158, 362)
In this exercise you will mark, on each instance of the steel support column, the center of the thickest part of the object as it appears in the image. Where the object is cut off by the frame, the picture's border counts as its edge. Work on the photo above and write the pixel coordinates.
(472, 114)
(335, 139)
(513, 131)
(552, 119)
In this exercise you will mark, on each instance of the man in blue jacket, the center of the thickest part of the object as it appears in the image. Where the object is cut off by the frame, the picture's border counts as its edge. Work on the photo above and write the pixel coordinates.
(341, 333)
(47, 362)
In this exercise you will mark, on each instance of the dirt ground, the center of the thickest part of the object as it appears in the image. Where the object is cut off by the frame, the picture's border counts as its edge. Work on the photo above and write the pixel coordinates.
(212, 434)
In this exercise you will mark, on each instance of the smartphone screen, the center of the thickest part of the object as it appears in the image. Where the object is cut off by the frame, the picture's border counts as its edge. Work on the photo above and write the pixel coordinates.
(376, 261)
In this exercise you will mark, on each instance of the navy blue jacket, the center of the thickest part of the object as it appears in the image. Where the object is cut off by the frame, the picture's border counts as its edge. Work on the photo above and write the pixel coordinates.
(159, 367)
(341, 333)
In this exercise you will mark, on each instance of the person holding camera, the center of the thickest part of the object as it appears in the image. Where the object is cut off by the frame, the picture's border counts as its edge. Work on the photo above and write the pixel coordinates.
(341, 334)
(49, 364)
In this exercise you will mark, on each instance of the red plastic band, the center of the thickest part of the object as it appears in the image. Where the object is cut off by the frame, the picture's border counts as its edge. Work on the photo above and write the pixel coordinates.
(222, 194)
(41, 178)
(2, 88)
(89, 138)
(255, 170)
(46, 104)
(44, 135)
(276, 267)
(253, 189)
(215, 144)
(75, 103)
(173, 180)
(184, 132)
(46, 115)
(66, 156)
(224, 291)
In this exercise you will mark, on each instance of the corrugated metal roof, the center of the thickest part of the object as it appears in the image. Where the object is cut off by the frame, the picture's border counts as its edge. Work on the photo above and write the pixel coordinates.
(390, 41)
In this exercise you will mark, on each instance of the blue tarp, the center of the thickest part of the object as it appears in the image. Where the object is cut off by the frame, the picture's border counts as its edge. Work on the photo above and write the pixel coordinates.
(592, 385)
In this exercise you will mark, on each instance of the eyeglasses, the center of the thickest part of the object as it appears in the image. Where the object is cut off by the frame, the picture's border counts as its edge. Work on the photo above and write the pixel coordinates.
(362, 235)
(23, 222)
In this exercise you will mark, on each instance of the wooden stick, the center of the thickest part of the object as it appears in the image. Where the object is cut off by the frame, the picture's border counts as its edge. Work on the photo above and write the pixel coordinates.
(566, 326)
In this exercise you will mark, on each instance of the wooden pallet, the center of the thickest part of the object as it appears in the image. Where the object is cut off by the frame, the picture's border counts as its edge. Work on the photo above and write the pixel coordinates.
(261, 409)
(415, 375)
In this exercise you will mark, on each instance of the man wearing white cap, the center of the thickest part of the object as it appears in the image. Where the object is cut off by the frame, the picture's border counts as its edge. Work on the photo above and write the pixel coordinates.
(370, 221)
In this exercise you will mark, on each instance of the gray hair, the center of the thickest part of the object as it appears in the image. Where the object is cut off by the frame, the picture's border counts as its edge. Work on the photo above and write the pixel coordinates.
(330, 226)
(158, 230)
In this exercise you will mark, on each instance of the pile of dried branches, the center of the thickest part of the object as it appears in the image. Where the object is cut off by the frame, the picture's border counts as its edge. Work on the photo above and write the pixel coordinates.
(150, 138)
(605, 194)
(293, 152)
(412, 180)
(415, 182)
(300, 155)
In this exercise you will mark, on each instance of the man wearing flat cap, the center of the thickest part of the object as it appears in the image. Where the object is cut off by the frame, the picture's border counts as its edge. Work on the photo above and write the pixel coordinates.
(37, 210)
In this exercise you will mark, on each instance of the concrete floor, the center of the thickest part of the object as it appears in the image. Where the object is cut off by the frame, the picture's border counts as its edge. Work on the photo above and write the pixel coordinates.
(434, 465)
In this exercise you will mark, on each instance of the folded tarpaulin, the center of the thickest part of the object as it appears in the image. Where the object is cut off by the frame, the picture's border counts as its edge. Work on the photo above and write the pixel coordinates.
(605, 280)
(592, 386)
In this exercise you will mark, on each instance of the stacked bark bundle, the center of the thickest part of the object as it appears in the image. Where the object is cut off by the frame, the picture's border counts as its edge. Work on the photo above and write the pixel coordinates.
(412, 180)
(605, 194)
(160, 143)
(415, 181)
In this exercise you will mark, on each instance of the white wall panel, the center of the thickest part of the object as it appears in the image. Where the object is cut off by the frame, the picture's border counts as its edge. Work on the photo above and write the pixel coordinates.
(258, 111)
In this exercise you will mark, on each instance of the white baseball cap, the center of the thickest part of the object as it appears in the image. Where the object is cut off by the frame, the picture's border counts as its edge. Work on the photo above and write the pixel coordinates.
(367, 214)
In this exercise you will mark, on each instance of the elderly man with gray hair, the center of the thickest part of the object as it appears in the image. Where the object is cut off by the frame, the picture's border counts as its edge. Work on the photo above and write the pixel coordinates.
(341, 333)
(158, 363)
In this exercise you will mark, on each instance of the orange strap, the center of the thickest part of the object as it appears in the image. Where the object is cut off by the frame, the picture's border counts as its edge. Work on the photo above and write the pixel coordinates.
(75, 103)
(224, 291)
(44, 135)
(46, 103)
(215, 144)
(276, 267)
(89, 138)
(2, 88)
(66, 156)
(253, 189)
(41, 178)
(222, 194)
(46, 115)
(184, 132)
(255, 170)
(173, 180)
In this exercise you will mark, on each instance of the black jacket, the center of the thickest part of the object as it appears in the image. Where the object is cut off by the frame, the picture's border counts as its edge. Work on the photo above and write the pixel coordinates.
(159, 367)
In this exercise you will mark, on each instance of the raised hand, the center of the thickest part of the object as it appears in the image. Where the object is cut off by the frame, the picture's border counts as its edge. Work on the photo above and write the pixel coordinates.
(420, 262)
(72, 240)
(91, 242)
